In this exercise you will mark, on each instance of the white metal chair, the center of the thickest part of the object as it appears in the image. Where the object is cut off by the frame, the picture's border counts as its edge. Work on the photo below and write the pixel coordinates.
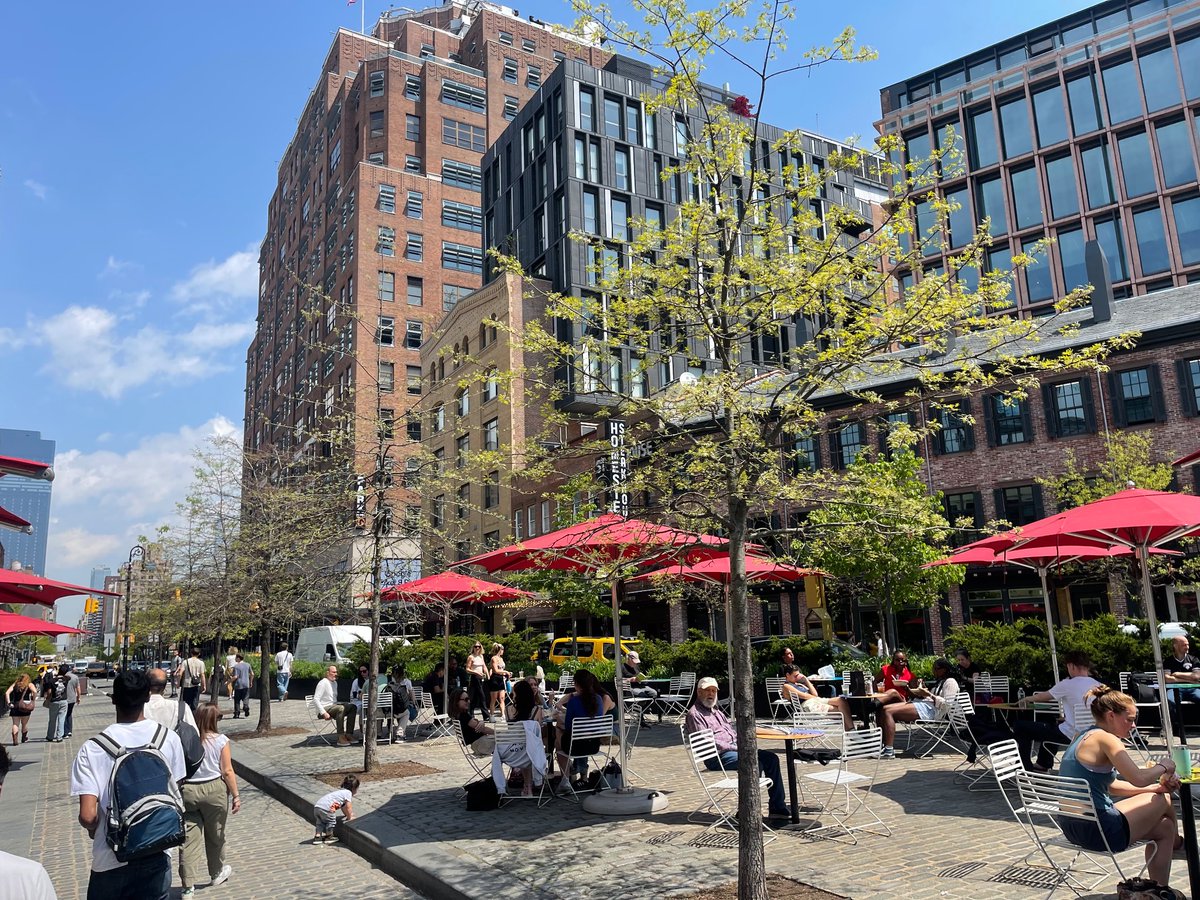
(936, 731)
(323, 727)
(675, 702)
(1005, 758)
(591, 742)
(383, 712)
(999, 686)
(775, 698)
(514, 734)
(1069, 798)
(860, 750)
(427, 715)
(480, 765)
(983, 687)
(962, 711)
(719, 786)
(830, 725)
(1136, 737)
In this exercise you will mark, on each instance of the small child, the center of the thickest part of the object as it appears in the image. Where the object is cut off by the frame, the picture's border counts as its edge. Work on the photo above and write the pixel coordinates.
(326, 810)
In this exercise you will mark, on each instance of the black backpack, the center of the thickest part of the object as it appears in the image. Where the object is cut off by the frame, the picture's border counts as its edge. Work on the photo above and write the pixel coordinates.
(193, 747)
(482, 795)
(145, 811)
(59, 689)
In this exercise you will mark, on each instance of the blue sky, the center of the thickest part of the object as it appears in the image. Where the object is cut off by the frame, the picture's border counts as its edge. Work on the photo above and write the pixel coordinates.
(138, 148)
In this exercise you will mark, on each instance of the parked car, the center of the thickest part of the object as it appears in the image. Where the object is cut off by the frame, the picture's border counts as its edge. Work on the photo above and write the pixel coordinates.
(98, 670)
(1166, 630)
(583, 649)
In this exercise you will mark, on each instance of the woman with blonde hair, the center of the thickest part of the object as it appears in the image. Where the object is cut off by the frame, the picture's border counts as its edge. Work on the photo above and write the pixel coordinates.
(498, 683)
(1134, 807)
(206, 805)
(22, 700)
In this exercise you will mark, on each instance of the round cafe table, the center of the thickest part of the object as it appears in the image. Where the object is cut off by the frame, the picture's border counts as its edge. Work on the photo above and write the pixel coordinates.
(788, 736)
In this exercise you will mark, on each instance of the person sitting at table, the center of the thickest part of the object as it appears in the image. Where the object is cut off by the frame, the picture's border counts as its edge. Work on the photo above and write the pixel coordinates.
(1070, 693)
(1181, 668)
(787, 658)
(927, 704)
(476, 735)
(893, 686)
(587, 700)
(528, 757)
(965, 671)
(703, 715)
(797, 688)
(631, 668)
(1137, 806)
(404, 709)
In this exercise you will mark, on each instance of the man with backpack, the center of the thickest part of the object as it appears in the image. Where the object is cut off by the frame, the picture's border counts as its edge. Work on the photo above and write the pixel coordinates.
(127, 781)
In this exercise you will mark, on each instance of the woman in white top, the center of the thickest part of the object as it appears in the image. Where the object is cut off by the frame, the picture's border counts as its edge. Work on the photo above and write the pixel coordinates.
(206, 806)
(477, 670)
(498, 683)
(926, 704)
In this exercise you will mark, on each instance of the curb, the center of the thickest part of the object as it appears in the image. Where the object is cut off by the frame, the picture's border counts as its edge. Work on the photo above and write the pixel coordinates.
(362, 843)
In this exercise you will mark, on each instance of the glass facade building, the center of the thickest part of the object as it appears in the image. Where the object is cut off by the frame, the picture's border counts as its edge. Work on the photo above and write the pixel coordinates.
(1086, 128)
(29, 498)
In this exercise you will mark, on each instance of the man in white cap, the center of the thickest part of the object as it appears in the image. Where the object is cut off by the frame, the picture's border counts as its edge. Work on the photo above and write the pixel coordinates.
(631, 668)
(704, 715)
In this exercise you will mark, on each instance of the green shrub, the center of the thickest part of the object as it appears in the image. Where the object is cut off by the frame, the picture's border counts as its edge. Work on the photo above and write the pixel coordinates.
(304, 669)
(8, 676)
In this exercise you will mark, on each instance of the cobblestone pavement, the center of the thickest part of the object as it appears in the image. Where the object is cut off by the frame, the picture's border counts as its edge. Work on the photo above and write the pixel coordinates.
(562, 852)
(267, 845)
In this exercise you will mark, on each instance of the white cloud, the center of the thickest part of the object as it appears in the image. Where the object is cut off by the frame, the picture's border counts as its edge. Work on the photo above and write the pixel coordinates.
(114, 266)
(115, 361)
(36, 188)
(79, 547)
(235, 277)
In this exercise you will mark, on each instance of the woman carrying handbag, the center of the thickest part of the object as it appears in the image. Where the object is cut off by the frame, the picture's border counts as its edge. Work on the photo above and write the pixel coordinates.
(22, 700)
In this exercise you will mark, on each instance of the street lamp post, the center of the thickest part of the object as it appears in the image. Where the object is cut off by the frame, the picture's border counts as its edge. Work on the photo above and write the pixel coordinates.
(135, 552)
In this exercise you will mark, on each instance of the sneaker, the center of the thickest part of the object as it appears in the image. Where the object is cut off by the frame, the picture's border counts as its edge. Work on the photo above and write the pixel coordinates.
(331, 839)
(318, 840)
(223, 876)
(887, 753)
(188, 892)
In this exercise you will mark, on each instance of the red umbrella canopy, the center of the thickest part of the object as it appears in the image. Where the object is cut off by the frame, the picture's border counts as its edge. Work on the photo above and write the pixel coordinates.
(717, 570)
(22, 587)
(12, 623)
(451, 587)
(1133, 517)
(1188, 458)
(13, 521)
(596, 543)
(1032, 556)
(12, 465)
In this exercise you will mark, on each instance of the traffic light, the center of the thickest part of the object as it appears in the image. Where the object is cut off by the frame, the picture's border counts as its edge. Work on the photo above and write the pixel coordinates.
(91, 605)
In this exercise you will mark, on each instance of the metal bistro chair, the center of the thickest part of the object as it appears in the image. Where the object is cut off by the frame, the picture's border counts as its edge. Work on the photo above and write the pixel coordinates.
(775, 698)
(321, 726)
(1136, 737)
(1005, 758)
(439, 723)
(967, 772)
(719, 786)
(586, 731)
(1069, 798)
(675, 702)
(480, 765)
(860, 750)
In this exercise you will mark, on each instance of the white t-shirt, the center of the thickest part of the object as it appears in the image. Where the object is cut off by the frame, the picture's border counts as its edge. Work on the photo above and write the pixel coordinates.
(333, 801)
(210, 768)
(283, 662)
(193, 672)
(24, 879)
(93, 766)
(324, 695)
(1070, 693)
(166, 712)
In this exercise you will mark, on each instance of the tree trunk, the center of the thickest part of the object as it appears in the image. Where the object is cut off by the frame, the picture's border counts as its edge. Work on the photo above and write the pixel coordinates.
(214, 687)
(752, 872)
(264, 682)
(370, 724)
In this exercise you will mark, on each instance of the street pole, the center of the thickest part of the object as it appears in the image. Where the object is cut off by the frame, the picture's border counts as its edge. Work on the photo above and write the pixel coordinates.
(135, 552)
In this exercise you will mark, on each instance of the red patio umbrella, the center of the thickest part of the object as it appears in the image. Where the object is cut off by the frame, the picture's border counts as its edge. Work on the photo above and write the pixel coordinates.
(13, 624)
(606, 544)
(24, 587)
(449, 588)
(15, 522)
(11, 465)
(1187, 458)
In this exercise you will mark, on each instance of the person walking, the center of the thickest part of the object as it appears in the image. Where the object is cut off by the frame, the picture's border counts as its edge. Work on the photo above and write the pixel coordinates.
(243, 681)
(176, 665)
(22, 699)
(231, 659)
(54, 698)
(194, 681)
(283, 670)
(207, 797)
(74, 695)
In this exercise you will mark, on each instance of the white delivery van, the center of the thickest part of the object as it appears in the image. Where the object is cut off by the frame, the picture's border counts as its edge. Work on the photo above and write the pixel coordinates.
(330, 643)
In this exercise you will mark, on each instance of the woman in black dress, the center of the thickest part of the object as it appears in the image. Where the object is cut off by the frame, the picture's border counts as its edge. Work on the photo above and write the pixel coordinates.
(22, 699)
(498, 682)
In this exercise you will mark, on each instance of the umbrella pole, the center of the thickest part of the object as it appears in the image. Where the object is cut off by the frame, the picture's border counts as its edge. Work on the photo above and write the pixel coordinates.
(618, 657)
(446, 660)
(1049, 622)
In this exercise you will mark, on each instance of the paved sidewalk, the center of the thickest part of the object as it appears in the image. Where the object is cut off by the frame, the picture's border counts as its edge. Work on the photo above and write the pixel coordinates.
(560, 851)
(267, 845)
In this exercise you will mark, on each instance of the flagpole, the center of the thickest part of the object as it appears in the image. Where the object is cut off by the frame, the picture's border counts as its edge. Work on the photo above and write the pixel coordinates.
(362, 16)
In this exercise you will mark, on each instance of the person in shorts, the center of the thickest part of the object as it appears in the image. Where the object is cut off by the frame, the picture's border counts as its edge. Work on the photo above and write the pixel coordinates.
(325, 810)
(798, 689)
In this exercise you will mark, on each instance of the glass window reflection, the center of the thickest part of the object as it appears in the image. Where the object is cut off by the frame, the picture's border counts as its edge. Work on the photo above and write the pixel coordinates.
(1175, 149)
(1160, 83)
(1070, 258)
(960, 222)
(1097, 176)
(1050, 115)
(1151, 240)
(1137, 169)
(1121, 92)
(1187, 227)
(1085, 104)
(1039, 286)
(981, 133)
(1112, 242)
(1189, 64)
(1064, 197)
(1027, 198)
(989, 199)
(1014, 124)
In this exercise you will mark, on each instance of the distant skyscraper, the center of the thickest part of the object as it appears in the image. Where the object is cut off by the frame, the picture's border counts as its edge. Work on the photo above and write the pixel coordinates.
(99, 573)
(28, 498)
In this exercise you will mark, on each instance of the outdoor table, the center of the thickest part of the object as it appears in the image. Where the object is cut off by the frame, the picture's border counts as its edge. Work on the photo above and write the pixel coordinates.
(789, 738)
(860, 706)
(833, 683)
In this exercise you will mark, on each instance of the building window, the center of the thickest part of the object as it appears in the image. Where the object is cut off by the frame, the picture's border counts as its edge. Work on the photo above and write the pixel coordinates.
(1136, 396)
(981, 138)
(587, 109)
(622, 171)
(965, 515)
(1014, 126)
(463, 216)
(387, 424)
(1097, 176)
(376, 158)
(412, 87)
(412, 164)
(451, 294)
(376, 126)
(414, 247)
(462, 402)
(437, 419)
(1064, 197)
(387, 377)
(1008, 420)
(464, 96)
(509, 73)
(1121, 92)
(511, 108)
(612, 118)
(491, 385)
(1188, 375)
(426, 51)
(1151, 241)
(375, 83)
(1027, 197)
(591, 211)
(619, 220)
(805, 457)
(1050, 116)
(1020, 504)
(989, 201)
(387, 198)
(461, 175)
(517, 533)
(412, 127)
(527, 45)
(385, 332)
(414, 205)
(386, 244)
(533, 77)
(955, 434)
(387, 286)
(413, 375)
(462, 257)
(491, 434)
(491, 491)
(437, 512)
(848, 442)
(464, 500)
(463, 134)
(415, 292)
(462, 451)
(1068, 408)
(506, 38)
(335, 156)
(413, 333)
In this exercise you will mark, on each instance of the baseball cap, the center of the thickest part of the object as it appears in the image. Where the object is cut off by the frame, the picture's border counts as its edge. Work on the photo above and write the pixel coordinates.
(706, 683)
(632, 654)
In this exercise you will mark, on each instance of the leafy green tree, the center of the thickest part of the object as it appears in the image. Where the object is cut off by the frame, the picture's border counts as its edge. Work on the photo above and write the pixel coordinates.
(1126, 462)
(876, 530)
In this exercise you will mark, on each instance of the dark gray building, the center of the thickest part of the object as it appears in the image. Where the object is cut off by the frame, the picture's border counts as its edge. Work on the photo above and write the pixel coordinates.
(1084, 128)
(29, 498)
(585, 155)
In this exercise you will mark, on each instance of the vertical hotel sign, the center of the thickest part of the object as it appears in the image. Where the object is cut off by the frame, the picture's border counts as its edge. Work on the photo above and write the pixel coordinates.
(613, 469)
